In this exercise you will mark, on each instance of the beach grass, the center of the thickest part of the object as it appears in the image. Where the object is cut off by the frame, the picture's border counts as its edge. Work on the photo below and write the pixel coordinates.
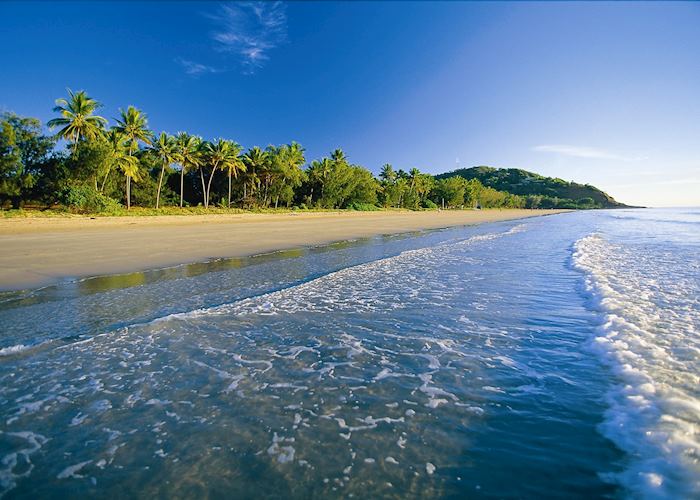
(62, 212)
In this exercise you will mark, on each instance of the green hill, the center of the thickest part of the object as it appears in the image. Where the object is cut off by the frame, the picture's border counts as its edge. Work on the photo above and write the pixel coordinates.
(554, 192)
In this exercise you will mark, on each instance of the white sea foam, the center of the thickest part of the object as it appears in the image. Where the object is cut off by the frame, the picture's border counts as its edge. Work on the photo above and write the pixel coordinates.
(345, 290)
(19, 459)
(72, 470)
(13, 349)
(648, 336)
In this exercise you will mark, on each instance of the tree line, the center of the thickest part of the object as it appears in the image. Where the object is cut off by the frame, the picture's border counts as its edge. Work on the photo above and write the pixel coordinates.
(104, 168)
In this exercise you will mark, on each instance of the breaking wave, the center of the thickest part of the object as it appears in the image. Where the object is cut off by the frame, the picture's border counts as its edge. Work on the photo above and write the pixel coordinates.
(648, 336)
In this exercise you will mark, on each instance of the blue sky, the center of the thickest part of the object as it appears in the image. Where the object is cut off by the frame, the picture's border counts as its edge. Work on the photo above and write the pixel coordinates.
(602, 93)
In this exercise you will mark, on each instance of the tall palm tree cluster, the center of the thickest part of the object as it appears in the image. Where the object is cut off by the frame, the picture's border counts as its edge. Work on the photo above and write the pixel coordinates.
(130, 132)
(110, 160)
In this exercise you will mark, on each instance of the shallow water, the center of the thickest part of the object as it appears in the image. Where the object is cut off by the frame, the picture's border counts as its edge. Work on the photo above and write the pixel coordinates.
(548, 357)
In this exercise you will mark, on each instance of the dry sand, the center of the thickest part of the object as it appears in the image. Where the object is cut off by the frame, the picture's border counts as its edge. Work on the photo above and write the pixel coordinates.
(41, 251)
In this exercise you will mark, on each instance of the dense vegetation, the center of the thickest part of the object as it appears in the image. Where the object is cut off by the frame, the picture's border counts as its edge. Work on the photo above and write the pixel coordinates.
(104, 168)
(544, 192)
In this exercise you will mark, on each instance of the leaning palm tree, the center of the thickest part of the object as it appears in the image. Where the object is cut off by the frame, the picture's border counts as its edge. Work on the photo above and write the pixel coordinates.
(165, 149)
(134, 125)
(188, 156)
(77, 120)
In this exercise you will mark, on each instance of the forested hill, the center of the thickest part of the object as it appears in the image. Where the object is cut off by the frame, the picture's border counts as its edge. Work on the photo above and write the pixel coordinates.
(524, 183)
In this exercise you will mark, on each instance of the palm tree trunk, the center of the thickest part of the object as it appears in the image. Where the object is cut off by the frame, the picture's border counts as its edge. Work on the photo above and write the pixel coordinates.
(229, 189)
(128, 192)
(182, 184)
(245, 192)
(204, 189)
(104, 181)
(209, 184)
(160, 185)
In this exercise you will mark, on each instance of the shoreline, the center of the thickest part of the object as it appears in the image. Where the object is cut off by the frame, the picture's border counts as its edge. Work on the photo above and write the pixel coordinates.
(43, 251)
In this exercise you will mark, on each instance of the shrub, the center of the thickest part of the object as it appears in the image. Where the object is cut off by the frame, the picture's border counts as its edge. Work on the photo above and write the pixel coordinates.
(429, 204)
(363, 207)
(87, 199)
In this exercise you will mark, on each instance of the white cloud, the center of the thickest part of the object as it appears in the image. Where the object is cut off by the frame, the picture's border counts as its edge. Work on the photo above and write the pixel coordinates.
(194, 68)
(583, 152)
(250, 30)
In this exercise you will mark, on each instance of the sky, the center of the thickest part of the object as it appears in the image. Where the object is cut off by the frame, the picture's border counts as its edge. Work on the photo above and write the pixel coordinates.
(599, 93)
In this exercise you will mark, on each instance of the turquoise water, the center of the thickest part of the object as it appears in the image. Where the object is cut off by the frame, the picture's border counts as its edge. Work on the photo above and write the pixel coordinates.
(547, 357)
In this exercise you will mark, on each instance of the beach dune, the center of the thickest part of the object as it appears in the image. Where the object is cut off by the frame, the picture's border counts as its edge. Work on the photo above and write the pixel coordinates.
(41, 251)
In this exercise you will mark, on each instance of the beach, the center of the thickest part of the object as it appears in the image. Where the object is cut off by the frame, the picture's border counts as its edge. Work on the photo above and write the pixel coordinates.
(505, 359)
(41, 251)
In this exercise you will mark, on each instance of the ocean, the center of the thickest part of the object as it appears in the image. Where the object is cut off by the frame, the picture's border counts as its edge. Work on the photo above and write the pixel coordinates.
(550, 357)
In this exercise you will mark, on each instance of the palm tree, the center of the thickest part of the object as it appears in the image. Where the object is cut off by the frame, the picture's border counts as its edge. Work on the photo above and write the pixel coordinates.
(77, 120)
(165, 148)
(121, 158)
(188, 156)
(233, 164)
(256, 160)
(134, 125)
(325, 168)
(223, 155)
(286, 169)
(338, 156)
(387, 174)
(413, 175)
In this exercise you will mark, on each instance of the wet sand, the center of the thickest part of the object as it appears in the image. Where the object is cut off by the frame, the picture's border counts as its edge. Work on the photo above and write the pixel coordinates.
(41, 251)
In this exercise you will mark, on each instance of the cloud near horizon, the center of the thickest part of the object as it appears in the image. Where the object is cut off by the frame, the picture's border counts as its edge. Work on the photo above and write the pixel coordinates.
(583, 152)
(250, 30)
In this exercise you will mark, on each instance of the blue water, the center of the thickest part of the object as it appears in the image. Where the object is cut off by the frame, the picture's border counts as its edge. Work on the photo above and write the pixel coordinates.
(548, 357)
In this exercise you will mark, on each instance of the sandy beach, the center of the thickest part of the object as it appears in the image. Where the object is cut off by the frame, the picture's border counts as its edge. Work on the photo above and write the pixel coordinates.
(40, 251)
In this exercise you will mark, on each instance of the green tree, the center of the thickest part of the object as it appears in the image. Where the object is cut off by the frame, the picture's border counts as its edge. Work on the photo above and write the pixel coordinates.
(77, 120)
(256, 161)
(221, 155)
(188, 156)
(133, 124)
(286, 162)
(318, 173)
(23, 148)
(120, 158)
(387, 174)
(233, 165)
(166, 150)
(450, 192)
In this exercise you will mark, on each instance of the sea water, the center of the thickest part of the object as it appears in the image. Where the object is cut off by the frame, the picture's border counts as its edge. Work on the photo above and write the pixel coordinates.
(549, 357)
